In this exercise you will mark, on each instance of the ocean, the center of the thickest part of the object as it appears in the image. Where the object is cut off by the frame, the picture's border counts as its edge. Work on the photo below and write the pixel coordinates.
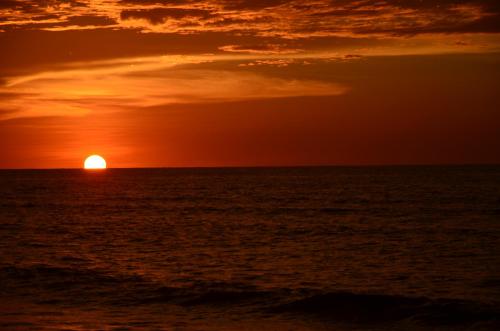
(312, 248)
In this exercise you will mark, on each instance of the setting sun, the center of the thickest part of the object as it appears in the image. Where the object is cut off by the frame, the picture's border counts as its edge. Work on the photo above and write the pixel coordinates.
(94, 162)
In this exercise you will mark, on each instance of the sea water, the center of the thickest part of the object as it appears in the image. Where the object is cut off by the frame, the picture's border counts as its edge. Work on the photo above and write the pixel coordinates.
(318, 248)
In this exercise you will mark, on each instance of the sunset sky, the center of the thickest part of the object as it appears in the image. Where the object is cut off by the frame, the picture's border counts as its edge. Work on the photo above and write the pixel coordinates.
(149, 83)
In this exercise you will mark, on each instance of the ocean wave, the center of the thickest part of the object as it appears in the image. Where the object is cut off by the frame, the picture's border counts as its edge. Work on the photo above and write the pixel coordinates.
(62, 285)
(45, 274)
(75, 286)
(54, 284)
(348, 306)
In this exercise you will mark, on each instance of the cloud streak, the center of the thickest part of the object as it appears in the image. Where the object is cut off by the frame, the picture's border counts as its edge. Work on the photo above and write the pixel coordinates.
(98, 87)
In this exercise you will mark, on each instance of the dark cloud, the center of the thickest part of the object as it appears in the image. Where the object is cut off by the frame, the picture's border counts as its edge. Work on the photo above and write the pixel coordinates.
(85, 20)
(45, 17)
(347, 12)
(287, 18)
(210, 25)
(8, 4)
(393, 18)
(375, 16)
(492, 5)
(489, 22)
(156, 2)
(252, 4)
(228, 21)
(485, 24)
(160, 15)
(39, 6)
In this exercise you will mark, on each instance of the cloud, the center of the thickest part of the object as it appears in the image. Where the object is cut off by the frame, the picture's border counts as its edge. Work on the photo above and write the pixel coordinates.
(160, 15)
(36, 34)
(40, 6)
(252, 4)
(9, 4)
(94, 20)
(155, 2)
(260, 49)
(148, 82)
(285, 18)
(273, 62)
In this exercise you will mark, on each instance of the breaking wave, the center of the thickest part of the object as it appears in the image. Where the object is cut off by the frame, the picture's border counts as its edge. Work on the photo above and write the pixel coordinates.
(69, 286)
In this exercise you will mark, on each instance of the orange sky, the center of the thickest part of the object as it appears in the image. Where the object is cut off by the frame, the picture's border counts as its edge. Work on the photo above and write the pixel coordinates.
(249, 83)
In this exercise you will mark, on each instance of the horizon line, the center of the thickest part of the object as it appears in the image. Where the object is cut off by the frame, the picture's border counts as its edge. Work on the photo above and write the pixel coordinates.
(380, 165)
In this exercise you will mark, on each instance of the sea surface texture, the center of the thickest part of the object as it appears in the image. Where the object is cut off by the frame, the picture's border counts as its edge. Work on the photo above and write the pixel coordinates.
(334, 248)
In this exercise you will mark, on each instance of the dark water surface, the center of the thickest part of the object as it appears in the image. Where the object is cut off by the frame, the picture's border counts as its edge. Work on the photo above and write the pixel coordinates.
(337, 248)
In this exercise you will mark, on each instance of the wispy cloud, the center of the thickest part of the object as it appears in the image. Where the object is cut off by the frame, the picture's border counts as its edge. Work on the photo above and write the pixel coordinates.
(80, 89)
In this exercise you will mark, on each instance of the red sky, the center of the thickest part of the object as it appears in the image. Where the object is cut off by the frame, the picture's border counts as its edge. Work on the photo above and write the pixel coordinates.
(249, 83)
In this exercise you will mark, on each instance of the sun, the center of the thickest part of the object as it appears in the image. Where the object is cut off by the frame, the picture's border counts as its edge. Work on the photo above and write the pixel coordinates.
(94, 162)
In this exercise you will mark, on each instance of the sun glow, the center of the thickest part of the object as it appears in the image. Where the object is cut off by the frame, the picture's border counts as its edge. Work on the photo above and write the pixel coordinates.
(94, 162)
